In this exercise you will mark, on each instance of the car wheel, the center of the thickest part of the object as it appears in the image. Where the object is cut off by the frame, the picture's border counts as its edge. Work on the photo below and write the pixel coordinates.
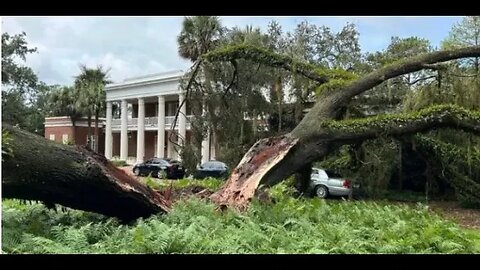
(161, 174)
(321, 192)
(136, 171)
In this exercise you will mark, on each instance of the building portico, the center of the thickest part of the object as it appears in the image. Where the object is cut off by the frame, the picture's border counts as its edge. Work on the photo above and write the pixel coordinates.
(142, 128)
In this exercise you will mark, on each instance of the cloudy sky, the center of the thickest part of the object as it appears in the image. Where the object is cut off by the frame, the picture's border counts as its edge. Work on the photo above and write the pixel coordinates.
(135, 46)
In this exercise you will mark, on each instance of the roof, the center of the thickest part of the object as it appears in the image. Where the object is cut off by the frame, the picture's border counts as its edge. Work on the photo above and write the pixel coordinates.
(147, 79)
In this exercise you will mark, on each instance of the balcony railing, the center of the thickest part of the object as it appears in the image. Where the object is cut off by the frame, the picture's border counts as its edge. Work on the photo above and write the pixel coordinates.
(150, 122)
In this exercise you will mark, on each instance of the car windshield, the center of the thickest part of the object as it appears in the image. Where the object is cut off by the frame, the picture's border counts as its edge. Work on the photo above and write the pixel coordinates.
(332, 174)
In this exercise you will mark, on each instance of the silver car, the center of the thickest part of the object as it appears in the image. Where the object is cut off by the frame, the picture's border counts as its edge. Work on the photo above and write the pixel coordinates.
(324, 183)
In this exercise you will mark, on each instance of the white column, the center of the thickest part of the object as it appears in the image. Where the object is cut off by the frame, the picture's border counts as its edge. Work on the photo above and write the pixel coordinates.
(206, 148)
(213, 144)
(169, 145)
(141, 131)
(124, 132)
(182, 119)
(108, 132)
(161, 127)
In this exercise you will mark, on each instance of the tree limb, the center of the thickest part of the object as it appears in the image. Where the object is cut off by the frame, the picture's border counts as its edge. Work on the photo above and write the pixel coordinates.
(422, 79)
(435, 66)
(330, 102)
(268, 58)
(439, 116)
(195, 68)
(400, 68)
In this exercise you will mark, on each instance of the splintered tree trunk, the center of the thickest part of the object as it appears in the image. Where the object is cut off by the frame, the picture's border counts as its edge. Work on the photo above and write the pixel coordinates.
(73, 177)
(252, 168)
(267, 163)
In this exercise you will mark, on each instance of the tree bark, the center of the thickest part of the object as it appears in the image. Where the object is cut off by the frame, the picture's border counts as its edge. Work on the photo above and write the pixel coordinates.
(302, 178)
(312, 139)
(73, 177)
(245, 179)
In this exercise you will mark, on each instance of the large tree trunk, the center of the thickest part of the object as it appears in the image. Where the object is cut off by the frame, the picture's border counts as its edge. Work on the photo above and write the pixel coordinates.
(271, 160)
(73, 177)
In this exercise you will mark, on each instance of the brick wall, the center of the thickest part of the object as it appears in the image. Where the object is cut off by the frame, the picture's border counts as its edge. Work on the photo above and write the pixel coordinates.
(80, 135)
(58, 132)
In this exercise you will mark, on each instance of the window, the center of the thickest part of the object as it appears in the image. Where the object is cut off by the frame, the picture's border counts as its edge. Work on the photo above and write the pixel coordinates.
(322, 174)
(65, 138)
(333, 174)
(52, 137)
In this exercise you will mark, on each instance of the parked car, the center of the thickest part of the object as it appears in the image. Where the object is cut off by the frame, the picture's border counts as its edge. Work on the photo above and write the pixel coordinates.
(325, 182)
(161, 168)
(211, 168)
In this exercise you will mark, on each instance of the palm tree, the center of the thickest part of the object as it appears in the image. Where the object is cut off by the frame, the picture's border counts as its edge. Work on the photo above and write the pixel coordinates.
(91, 83)
(199, 35)
(64, 101)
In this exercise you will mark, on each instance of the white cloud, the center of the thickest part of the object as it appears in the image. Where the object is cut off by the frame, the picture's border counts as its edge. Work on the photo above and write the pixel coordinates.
(135, 46)
(10, 25)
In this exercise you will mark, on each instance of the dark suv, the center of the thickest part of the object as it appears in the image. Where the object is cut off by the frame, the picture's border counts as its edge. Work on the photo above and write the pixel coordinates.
(161, 168)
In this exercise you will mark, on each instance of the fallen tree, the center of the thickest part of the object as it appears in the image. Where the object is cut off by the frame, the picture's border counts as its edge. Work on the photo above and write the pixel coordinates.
(38, 169)
(271, 160)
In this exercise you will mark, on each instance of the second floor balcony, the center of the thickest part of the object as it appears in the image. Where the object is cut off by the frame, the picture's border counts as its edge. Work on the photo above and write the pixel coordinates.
(151, 123)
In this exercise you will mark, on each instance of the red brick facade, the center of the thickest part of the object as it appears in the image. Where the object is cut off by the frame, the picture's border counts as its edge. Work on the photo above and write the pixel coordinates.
(60, 128)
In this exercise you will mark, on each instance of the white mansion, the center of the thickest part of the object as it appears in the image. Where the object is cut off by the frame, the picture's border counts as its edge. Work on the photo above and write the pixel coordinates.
(148, 107)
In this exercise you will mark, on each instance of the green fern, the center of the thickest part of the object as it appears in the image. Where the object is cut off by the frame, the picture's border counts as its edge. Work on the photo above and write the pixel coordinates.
(193, 226)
